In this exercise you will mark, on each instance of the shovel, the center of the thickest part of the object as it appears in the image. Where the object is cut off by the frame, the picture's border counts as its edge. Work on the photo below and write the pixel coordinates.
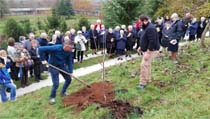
(81, 81)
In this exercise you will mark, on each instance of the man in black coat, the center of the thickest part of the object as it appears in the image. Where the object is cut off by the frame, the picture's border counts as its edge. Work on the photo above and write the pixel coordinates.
(149, 46)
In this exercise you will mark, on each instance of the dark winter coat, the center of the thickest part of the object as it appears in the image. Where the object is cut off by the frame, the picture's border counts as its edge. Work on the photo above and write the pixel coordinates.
(43, 42)
(201, 27)
(193, 28)
(121, 42)
(149, 38)
(176, 30)
(110, 44)
(59, 40)
(86, 35)
(130, 40)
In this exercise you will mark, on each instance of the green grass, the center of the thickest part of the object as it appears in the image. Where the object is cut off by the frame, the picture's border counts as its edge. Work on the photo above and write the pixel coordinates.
(180, 92)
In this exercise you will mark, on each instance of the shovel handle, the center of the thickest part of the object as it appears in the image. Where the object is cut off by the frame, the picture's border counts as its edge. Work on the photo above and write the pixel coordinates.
(81, 81)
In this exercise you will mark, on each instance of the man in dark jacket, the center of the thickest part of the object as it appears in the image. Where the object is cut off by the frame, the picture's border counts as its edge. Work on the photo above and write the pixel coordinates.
(149, 45)
(61, 57)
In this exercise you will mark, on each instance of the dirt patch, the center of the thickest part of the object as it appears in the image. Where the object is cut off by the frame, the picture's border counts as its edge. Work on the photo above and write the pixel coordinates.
(101, 93)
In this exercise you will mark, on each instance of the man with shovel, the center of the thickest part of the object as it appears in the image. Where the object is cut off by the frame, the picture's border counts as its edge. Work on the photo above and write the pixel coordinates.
(60, 56)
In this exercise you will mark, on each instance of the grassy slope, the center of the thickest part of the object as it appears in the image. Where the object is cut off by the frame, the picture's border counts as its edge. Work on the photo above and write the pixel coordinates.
(177, 91)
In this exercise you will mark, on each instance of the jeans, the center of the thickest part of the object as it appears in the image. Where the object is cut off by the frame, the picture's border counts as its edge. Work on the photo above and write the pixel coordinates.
(12, 92)
(55, 80)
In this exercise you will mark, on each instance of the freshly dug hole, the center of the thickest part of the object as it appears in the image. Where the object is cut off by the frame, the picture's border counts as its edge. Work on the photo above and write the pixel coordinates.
(101, 93)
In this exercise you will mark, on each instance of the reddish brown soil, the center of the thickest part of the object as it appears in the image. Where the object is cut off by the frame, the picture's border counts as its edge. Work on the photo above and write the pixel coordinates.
(100, 93)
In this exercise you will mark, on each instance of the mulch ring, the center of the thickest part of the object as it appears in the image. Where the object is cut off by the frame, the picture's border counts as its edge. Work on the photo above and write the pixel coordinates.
(101, 93)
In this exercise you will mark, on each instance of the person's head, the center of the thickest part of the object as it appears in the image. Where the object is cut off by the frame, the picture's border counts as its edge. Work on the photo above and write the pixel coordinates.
(203, 19)
(174, 17)
(123, 27)
(54, 38)
(121, 32)
(117, 28)
(130, 28)
(103, 27)
(72, 31)
(144, 19)
(43, 35)
(31, 36)
(188, 15)
(167, 24)
(3, 53)
(34, 44)
(79, 33)
(11, 41)
(92, 27)
(68, 45)
(22, 38)
(57, 33)
(3, 58)
(68, 33)
(20, 46)
(110, 30)
(84, 29)
(98, 21)
(194, 20)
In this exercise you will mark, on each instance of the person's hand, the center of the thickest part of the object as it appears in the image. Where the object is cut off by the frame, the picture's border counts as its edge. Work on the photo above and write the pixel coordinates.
(173, 42)
(71, 75)
(139, 50)
(44, 62)
(2, 65)
(112, 40)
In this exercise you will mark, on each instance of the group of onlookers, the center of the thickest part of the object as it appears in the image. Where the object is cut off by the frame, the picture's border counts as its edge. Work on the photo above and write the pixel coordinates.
(24, 56)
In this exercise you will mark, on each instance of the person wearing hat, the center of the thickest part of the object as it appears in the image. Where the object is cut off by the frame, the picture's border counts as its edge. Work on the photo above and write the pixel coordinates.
(5, 79)
(61, 57)
(80, 41)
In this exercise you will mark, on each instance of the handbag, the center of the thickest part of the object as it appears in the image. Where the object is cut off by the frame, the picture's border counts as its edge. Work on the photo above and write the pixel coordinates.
(78, 46)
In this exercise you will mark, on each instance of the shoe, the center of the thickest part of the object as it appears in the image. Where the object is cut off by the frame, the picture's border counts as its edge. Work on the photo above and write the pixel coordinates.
(140, 87)
(126, 55)
(64, 94)
(86, 55)
(52, 101)
(118, 58)
(129, 55)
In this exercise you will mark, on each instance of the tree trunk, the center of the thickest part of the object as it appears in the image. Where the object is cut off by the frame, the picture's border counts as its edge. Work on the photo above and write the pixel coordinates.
(204, 35)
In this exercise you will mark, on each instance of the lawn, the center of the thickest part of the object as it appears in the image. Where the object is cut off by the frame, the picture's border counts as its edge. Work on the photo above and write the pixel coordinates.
(177, 91)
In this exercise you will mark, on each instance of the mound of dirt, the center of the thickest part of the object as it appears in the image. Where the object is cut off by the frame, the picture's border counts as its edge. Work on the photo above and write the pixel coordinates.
(101, 93)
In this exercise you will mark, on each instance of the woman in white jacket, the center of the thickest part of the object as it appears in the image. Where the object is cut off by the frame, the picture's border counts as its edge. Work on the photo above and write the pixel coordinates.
(80, 41)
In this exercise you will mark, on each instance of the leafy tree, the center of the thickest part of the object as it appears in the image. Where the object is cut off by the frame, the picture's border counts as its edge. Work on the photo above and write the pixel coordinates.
(53, 22)
(83, 21)
(64, 8)
(63, 26)
(3, 8)
(118, 12)
(26, 26)
(13, 29)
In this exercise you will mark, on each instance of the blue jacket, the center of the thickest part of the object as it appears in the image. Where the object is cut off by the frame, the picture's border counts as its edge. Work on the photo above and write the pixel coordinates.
(193, 28)
(121, 42)
(57, 56)
(43, 42)
(149, 38)
(4, 75)
(86, 35)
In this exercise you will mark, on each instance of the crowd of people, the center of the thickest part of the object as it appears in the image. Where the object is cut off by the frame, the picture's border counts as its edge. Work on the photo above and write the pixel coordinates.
(25, 58)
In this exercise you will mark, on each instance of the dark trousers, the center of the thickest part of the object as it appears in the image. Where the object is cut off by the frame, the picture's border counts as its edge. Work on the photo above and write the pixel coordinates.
(14, 71)
(80, 55)
(75, 53)
(37, 70)
(24, 80)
